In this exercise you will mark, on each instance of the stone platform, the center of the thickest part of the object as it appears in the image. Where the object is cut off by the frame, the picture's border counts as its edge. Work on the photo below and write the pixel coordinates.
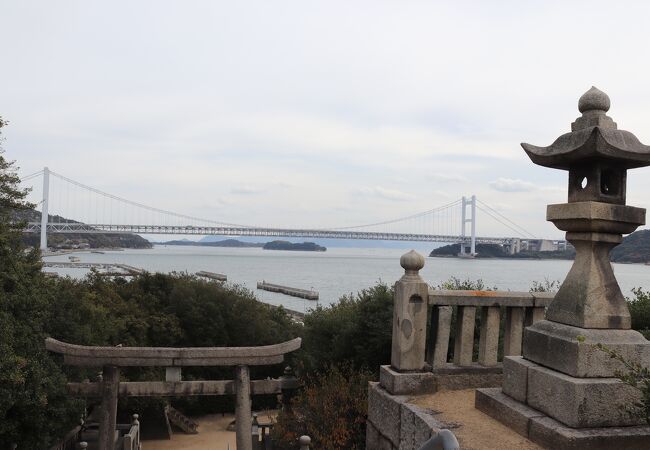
(575, 402)
(448, 377)
(549, 433)
(573, 350)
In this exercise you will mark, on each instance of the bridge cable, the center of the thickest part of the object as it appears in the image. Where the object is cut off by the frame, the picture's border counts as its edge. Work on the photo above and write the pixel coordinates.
(388, 222)
(497, 219)
(30, 176)
(140, 205)
(521, 229)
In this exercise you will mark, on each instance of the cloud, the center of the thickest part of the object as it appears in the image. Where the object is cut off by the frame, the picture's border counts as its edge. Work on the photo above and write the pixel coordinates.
(247, 190)
(388, 194)
(448, 177)
(512, 185)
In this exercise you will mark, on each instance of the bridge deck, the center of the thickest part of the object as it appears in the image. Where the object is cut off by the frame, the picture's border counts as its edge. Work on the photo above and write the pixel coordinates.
(33, 227)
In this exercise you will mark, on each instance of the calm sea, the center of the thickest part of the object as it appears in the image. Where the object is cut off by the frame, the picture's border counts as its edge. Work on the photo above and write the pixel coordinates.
(340, 271)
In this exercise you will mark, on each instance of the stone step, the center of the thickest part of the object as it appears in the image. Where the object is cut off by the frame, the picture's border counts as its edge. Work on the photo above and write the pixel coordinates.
(180, 420)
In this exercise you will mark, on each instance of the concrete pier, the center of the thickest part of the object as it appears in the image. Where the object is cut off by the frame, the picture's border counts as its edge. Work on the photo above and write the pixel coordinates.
(294, 292)
(212, 275)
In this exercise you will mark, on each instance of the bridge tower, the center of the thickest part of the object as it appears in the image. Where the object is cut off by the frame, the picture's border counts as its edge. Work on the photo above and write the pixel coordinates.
(472, 220)
(45, 208)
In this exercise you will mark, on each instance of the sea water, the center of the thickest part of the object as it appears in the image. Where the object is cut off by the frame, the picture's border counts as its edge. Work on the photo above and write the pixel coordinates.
(340, 271)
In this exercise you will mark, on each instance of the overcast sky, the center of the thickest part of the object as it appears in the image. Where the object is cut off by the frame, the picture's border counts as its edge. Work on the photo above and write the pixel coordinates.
(317, 113)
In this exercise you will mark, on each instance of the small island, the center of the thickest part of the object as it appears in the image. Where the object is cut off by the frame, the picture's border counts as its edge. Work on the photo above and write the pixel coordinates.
(223, 243)
(635, 248)
(496, 251)
(286, 245)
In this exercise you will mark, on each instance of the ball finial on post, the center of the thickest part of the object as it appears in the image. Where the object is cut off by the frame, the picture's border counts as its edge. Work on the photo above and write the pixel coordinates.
(412, 262)
(305, 442)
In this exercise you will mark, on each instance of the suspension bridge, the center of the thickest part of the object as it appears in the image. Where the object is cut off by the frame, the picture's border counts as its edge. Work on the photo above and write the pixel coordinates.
(68, 206)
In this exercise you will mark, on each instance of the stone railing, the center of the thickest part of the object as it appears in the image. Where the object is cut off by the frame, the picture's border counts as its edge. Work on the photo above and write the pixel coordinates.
(521, 310)
(131, 440)
(70, 440)
(425, 321)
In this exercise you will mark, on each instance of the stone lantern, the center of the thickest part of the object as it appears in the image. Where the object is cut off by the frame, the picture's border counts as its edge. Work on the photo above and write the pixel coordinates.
(597, 156)
(564, 391)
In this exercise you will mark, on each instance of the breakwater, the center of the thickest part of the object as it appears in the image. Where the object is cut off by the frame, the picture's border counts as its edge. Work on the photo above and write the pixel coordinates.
(211, 275)
(287, 290)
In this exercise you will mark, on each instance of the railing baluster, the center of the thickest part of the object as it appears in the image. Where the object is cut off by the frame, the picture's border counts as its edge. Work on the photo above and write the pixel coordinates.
(534, 314)
(514, 331)
(439, 336)
(489, 339)
(464, 341)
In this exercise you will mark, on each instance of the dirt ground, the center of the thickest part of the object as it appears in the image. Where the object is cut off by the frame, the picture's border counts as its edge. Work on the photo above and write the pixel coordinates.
(212, 435)
(476, 430)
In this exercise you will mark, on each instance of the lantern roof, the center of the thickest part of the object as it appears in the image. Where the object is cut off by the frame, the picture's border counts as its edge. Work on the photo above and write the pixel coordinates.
(594, 137)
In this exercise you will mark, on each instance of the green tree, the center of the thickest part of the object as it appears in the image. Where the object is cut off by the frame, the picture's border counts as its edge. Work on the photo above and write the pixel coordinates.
(34, 407)
(640, 311)
(331, 409)
(357, 330)
(637, 376)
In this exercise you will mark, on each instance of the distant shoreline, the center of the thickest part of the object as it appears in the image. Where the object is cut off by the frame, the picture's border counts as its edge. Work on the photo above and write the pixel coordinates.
(234, 243)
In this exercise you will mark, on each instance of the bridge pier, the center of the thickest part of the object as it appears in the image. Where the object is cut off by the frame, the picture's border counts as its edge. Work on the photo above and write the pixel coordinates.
(45, 208)
(472, 220)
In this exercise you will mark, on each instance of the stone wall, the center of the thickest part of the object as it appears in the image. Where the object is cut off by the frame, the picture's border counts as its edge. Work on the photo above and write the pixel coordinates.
(395, 424)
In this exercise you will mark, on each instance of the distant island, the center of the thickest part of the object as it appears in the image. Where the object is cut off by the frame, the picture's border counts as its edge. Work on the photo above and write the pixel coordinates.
(635, 248)
(71, 241)
(496, 251)
(273, 245)
(286, 245)
(224, 243)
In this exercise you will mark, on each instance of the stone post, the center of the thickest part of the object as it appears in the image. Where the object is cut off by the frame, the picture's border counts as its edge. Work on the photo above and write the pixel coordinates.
(243, 421)
(304, 442)
(255, 431)
(108, 414)
(410, 316)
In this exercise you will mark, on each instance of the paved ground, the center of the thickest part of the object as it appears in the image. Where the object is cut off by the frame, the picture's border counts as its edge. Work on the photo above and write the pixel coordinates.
(212, 435)
(476, 430)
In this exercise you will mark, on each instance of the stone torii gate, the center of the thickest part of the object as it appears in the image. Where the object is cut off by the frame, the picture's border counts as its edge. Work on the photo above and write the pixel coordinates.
(111, 359)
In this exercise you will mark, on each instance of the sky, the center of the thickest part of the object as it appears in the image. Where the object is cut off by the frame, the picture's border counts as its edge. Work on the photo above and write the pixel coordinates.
(317, 113)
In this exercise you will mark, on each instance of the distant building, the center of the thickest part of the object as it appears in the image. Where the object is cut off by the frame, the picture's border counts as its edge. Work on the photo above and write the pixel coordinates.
(543, 245)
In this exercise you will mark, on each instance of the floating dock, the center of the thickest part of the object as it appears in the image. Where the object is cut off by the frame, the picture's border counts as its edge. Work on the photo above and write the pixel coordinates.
(294, 292)
(212, 275)
(108, 267)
